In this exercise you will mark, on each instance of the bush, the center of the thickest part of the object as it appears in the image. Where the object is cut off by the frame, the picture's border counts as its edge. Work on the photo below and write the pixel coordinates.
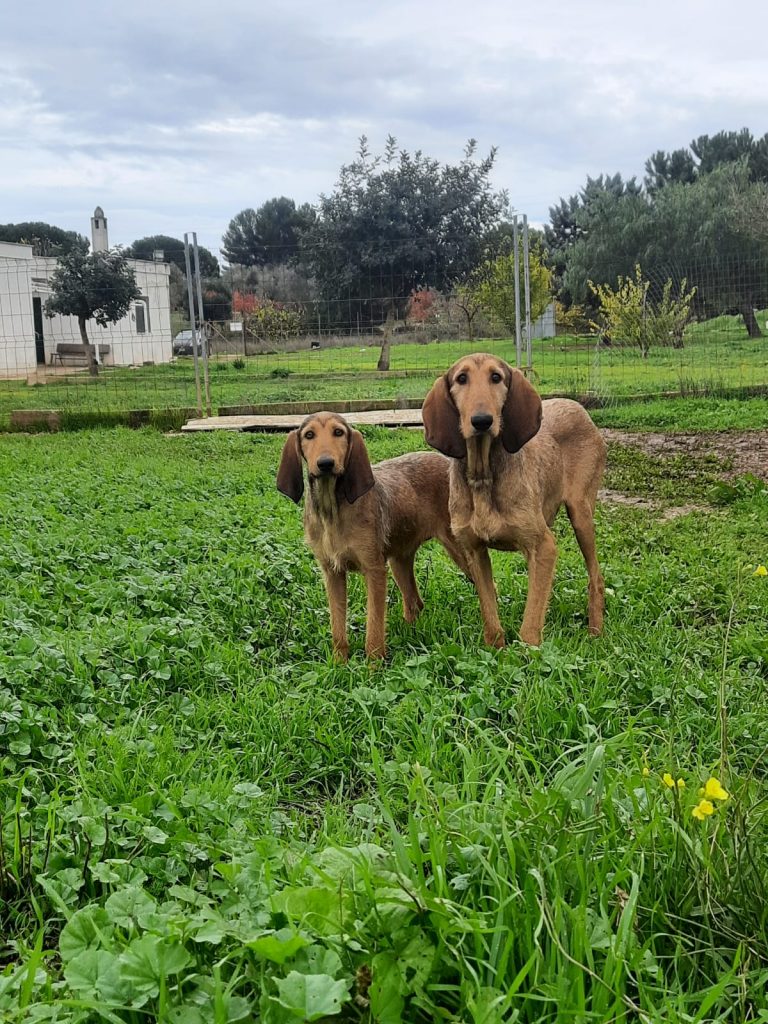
(269, 321)
(630, 315)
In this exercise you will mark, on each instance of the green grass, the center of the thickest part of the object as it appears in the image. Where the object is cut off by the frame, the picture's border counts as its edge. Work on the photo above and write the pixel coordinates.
(685, 414)
(204, 819)
(717, 356)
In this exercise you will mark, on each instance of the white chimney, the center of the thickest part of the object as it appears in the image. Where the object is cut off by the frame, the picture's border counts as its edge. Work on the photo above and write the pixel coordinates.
(99, 239)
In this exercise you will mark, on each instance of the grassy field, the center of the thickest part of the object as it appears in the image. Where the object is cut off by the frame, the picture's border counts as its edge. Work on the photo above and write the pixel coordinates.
(204, 820)
(717, 356)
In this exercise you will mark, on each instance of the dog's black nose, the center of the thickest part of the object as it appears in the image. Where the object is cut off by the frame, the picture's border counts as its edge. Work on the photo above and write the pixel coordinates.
(325, 463)
(481, 420)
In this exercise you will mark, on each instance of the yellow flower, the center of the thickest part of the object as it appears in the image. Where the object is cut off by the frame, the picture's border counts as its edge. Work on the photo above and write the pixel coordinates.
(703, 809)
(714, 791)
(667, 779)
(760, 571)
(646, 771)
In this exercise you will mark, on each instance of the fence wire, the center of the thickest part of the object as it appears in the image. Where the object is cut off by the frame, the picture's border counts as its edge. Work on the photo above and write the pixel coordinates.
(283, 333)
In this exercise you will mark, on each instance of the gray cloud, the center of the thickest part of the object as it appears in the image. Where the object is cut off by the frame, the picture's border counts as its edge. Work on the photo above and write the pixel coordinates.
(174, 119)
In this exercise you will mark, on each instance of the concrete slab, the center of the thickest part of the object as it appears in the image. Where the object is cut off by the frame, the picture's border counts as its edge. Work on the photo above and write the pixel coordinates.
(279, 424)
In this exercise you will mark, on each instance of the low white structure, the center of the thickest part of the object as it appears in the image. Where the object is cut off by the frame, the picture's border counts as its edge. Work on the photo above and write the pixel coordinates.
(29, 339)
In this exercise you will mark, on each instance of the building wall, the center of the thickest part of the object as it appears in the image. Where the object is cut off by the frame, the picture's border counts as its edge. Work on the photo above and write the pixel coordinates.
(544, 327)
(17, 327)
(128, 345)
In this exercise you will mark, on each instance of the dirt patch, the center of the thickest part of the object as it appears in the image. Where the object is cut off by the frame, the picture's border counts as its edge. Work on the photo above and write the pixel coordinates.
(666, 512)
(745, 451)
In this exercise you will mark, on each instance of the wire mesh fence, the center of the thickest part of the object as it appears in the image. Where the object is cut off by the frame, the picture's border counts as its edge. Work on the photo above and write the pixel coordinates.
(291, 333)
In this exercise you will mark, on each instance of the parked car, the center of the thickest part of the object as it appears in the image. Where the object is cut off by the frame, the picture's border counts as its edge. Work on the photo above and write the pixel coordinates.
(183, 342)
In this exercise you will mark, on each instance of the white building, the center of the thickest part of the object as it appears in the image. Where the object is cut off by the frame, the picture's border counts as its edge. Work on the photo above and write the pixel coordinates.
(29, 339)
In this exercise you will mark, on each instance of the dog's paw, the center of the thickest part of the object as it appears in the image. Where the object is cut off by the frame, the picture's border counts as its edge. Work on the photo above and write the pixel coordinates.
(530, 637)
(496, 639)
(413, 611)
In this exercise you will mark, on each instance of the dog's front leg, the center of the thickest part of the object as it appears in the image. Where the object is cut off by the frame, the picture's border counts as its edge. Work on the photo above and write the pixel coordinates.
(336, 589)
(482, 574)
(541, 573)
(376, 623)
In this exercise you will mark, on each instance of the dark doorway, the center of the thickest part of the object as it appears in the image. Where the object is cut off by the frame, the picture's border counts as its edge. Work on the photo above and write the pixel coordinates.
(37, 312)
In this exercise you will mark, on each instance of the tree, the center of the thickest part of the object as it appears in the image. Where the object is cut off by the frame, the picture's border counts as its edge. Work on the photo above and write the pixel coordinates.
(173, 252)
(217, 300)
(467, 298)
(267, 236)
(712, 151)
(98, 286)
(704, 155)
(629, 315)
(270, 321)
(396, 223)
(422, 307)
(177, 286)
(45, 239)
(496, 287)
(707, 232)
(615, 231)
(569, 218)
(677, 167)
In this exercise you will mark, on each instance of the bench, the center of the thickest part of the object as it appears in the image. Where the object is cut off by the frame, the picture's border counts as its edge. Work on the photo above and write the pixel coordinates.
(67, 349)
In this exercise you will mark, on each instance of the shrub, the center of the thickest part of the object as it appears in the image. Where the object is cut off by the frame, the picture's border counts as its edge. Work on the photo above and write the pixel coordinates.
(630, 315)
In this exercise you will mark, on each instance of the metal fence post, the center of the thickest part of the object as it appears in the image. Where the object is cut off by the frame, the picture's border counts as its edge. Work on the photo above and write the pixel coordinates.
(527, 284)
(192, 321)
(518, 339)
(203, 335)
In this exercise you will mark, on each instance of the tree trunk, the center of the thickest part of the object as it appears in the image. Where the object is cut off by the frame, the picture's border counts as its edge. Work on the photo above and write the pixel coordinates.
(93, 366)
(469, 325)
(383, 363)
(750, 320)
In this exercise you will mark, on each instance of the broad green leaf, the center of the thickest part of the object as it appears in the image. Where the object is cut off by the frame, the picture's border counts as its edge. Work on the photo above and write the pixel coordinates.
(278, 947)
(84, 970)
(86, 929)
(311, 996)
(314, 906)
(212, 927)
(155, 835)
(97, 971)
(148, 961)
(125, 905)
(318, 960)
(386, 989)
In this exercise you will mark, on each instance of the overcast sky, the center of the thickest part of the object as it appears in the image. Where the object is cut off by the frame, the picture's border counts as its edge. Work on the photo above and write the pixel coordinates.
(175, 119)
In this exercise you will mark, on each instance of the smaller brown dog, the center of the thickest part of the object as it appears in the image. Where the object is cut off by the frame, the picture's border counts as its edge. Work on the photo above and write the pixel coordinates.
(358, 517)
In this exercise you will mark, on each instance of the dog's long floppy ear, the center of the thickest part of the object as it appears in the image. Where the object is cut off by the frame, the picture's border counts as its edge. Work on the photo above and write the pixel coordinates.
(290, 476)
(358, 475)
(441, 421)
(521, 415)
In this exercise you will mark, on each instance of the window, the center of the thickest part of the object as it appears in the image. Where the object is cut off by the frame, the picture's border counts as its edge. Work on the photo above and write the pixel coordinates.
(141, 322)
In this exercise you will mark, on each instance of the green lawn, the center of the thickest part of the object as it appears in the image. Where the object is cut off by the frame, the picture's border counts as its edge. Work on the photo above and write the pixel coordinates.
(203, 819)
(717, 355)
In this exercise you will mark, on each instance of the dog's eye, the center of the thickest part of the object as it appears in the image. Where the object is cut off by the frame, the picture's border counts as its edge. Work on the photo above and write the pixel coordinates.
(461, 379)
(309, 435)
(496, 378)
(338, 432)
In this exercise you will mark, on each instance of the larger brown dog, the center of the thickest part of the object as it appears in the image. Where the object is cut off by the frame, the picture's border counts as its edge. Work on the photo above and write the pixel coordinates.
(516, 460)
(358, 517)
